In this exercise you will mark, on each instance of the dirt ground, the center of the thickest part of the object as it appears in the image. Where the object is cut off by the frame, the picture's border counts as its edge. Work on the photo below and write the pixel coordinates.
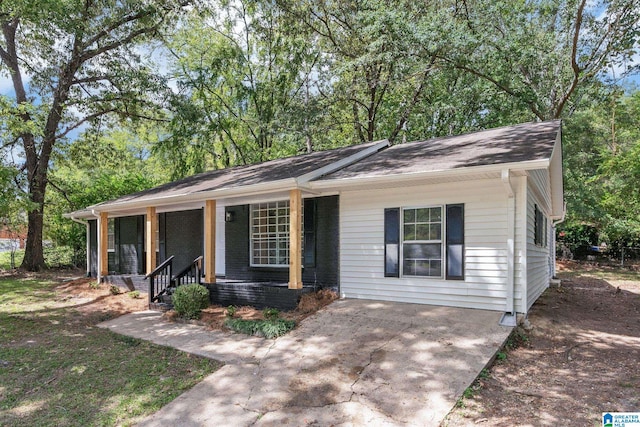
(86, 297)
(579, 357)
(80, 292)
(214, 316)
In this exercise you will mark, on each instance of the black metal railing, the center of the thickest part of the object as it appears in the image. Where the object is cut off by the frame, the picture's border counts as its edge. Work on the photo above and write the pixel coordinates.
(160, 280)
(190, 274)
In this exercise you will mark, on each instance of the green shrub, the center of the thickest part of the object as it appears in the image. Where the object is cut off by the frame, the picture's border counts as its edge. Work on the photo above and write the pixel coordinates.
(134, 294)
(272, 328)
(271, 313)
(114, 289)
(189, 300)
(59, 256)
(231, 311)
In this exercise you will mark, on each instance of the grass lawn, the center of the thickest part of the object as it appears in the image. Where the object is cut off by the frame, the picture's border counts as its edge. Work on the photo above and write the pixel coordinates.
(58, 368)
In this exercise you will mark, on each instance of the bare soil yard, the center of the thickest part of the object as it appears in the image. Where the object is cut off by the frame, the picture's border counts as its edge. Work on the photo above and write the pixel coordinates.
(214, 316)
(579, 358)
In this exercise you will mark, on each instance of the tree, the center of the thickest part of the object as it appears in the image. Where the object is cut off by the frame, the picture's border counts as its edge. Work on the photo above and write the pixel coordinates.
(98, 166)
(380, 55)
(239, 69)
(72, 62)
(601, 158)
(546, 54)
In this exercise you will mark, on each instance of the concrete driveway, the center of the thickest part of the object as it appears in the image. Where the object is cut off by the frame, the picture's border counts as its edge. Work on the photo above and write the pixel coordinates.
(356, 362)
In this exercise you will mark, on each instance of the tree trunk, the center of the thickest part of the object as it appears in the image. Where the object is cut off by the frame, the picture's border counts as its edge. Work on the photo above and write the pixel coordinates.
(33, 254)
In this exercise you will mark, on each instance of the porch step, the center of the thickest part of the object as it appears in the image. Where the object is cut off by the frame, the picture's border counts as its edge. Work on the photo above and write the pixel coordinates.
(160, 306)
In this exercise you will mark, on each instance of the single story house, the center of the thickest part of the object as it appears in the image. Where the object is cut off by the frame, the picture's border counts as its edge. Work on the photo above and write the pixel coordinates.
(465, 221)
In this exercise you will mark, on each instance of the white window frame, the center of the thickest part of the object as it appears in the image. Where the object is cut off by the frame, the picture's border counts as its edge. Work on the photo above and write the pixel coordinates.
(441, 241)
(277, 234)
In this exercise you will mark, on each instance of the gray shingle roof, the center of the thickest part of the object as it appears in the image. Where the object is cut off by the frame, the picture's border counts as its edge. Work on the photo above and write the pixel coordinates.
(510, 144)
(241, 176)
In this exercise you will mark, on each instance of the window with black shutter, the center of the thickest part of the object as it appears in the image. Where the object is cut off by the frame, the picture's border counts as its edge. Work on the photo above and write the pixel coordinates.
(392, 242)
(413, 242)
(539, 227)
(455, 242)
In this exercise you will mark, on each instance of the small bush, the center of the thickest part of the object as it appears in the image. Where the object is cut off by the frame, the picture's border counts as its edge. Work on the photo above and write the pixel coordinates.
(271, 313)
(262, 328)
(134, 294)
(189, 300)
(231, 311)
(59, 256)
(94, 285)
(114, 289)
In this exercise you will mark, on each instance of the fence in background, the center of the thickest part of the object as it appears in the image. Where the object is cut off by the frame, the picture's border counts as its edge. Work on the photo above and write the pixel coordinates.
(629, 255)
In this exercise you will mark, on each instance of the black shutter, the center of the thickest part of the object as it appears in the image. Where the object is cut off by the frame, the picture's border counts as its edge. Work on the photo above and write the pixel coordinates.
(455, 242)
(392, 242)
(309, 259)
(114, 265)
(537, 226)
(140, 249)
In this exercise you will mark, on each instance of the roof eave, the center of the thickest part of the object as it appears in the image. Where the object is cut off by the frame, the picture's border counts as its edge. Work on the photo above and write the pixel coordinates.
(464, 171)
(261, 188)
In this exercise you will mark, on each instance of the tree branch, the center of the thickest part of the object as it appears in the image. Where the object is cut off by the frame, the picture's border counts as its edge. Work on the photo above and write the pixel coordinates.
(574, 62)
(499, 85)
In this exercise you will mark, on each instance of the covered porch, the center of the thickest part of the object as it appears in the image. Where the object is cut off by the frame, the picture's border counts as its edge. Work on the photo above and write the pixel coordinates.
(254, 232)
(235, 237)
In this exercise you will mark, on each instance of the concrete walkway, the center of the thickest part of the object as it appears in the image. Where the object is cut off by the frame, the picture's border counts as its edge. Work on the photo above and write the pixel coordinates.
(356, 362)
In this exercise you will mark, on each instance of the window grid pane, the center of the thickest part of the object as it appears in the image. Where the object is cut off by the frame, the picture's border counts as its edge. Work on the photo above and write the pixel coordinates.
(270, 233)
(422, 242)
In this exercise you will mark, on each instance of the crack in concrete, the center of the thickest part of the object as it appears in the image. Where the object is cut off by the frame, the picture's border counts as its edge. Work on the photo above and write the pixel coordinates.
(371, 358)
(332, 404)
(257, 373)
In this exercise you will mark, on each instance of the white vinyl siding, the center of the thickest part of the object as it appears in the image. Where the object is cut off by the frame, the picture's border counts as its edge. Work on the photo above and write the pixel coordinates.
(537, 255)
(540, 185)
(485, 272)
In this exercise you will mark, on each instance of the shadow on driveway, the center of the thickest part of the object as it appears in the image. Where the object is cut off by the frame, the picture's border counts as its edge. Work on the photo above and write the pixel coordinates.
(354, 362)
